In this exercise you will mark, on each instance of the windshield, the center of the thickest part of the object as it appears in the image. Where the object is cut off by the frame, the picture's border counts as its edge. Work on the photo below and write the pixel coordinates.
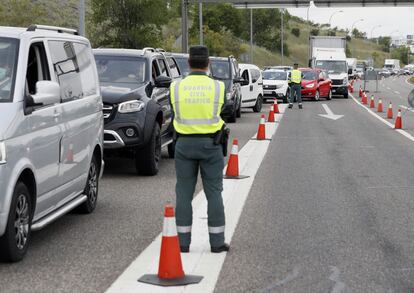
(308, 75)
(183, 65)
(220, 69)
(389, 66)
(332, 66)
(8, 63)
(120, 71)
(274, 75)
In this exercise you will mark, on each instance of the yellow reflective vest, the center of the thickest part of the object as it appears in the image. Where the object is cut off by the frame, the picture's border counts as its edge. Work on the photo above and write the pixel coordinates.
(197, 101)
(296, 76)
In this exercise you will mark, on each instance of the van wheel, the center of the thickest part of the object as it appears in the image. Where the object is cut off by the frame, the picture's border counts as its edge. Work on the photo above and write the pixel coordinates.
(91, 189)
(258, 106)
(286, 97)
(238, 112)
(233, 117)
(147, 158)
(14, 242)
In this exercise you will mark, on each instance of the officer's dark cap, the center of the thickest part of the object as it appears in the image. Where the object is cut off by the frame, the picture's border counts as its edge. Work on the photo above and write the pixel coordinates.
(296, 63)
(199, 53)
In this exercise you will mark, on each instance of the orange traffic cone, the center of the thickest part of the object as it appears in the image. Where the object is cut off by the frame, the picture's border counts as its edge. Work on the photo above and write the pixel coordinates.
(389, 112)
(275, 107)
(261, 132)
(271, 117)
(232, 171)
(170, 269)
(379, 109)
(398, 121)
(360, 91)
(372, 104)
(364, 99)
(352, 86)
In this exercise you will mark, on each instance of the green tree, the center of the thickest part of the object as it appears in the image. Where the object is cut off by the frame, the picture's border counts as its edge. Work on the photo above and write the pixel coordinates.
(295, 31)
(385, 43)
(21, 13)
(401, 53)
(129, 23)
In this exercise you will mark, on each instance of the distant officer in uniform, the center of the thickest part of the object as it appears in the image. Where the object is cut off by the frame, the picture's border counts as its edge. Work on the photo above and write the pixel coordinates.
(197, 101)
(295, 87)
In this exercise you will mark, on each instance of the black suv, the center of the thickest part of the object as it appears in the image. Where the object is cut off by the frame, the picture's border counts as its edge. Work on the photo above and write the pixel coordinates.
(226, 70)
(137, 110)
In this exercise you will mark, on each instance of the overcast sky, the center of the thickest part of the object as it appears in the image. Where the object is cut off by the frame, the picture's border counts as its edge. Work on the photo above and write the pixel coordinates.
(391, 19)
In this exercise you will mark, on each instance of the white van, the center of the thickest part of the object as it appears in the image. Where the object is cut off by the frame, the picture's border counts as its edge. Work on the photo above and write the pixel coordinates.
(51, 131)
(252, 93)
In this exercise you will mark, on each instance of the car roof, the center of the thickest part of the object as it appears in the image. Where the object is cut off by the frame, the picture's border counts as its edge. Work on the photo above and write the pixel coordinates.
(32, 31)
(219, 58)
(308, 69)
(275, 70)
(180, 55)
(248, 66)
(124, 52)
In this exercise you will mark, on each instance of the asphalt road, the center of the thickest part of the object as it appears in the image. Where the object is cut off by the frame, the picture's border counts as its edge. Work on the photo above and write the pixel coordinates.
(330, 209)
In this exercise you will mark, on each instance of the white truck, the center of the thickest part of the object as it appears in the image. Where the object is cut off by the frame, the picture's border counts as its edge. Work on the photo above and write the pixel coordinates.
(328, 54)
(393, 65)
(352, 67)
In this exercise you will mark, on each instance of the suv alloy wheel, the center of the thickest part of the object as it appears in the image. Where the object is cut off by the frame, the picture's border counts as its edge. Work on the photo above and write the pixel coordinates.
(91, 189)
(148, 157)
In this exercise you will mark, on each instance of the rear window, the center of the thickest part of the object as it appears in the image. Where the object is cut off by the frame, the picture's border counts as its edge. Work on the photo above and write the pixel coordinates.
(220, 69)
(183, 65)
(274, 75)
(173, 67)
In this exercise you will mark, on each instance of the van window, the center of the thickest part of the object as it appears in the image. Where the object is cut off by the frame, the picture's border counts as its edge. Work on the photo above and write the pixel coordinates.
(154, 70)
(255, 74)
(173, 67)
(245, 75)
(66, 67)
(87, 69)
(37, 67)
(9, 50)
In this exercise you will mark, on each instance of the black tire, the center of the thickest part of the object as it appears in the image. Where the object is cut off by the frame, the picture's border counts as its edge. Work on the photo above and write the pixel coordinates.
(233, 117)
(147, 158)
(171, 150)
(14, 242)
(329, 97)
(286, 97)
(346, 96)
(91, 189)
(258, 106)
(317, 96)
(238, 112)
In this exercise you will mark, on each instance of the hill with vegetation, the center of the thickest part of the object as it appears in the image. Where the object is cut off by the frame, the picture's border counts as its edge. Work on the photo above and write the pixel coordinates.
(156, 23)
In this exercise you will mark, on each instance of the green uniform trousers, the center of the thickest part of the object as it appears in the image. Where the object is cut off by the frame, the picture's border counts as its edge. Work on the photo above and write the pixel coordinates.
(192, 154)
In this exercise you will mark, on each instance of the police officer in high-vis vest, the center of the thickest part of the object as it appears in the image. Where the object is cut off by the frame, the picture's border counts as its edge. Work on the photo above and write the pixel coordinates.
(295, 86)
(197, 101)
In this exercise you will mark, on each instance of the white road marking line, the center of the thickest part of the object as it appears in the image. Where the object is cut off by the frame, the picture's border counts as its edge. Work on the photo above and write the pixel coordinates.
(403, 132)
(339, 286)
(200, 261)
(397, 92)
(329, 114)
(290, 277)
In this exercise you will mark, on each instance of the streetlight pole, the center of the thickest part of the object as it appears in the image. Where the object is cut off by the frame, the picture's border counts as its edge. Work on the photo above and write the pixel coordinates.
(352, 27)
(184, 26)
(200, 18)
(282, 35)
(377, 26)
(251, 36)
(330, 18)
(311, 4)
(82, 17)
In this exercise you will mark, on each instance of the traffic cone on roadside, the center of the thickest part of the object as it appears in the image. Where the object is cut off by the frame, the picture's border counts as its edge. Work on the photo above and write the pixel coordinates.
(379, 109)
(372, 103)
(364, 98)
(232, 171)
(389, 111)
(271, 117)
(261, 132)
(398, 121)
(360, 91)
(170, 269)
(275, 107)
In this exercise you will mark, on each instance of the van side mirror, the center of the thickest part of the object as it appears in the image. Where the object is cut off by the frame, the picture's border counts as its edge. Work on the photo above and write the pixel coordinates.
(241, 81)
(47, 93)
(163, 81)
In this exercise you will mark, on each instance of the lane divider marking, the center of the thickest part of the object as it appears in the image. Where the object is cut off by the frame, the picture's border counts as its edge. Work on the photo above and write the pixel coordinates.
(401, 131)
(200, 260)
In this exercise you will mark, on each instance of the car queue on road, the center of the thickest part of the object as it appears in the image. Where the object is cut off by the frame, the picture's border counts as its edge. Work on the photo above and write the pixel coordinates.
(77, 106)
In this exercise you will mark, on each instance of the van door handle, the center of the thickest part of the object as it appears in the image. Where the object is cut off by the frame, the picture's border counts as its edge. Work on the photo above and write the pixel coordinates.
(56, 115)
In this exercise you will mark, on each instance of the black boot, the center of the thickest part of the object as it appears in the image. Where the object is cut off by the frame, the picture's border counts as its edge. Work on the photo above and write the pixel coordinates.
(290, 106)
(223, 248)
(185, 249)
(300, 106)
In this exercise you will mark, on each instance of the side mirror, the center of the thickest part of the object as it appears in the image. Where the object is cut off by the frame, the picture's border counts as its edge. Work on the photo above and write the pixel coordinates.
(47, 93)
(163, 81)
(241, 81)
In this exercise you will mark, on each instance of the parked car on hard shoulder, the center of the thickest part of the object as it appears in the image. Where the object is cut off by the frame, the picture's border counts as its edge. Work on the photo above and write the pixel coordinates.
(51, 131)
(315, 84)
(227, 70)
(135, 88)
(251, 92)
(276, 84)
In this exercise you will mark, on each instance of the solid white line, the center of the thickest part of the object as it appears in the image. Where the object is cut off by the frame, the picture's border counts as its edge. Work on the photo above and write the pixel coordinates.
(400, 131)
(200, 261)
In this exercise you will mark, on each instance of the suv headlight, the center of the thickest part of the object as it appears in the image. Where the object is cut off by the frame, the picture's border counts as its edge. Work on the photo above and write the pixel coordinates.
(131, 106)
(2, 152)
(345, 81)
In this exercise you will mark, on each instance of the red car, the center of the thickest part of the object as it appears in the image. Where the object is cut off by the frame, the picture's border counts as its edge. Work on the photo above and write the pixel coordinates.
(315, 84)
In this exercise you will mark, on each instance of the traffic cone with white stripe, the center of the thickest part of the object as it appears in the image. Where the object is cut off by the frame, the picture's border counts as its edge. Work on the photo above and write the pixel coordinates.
(170, 269)
(379, 109)
(372, 104)
(261, 132)
(275, 107)
(360, 91)
(398, 120)
(271, 117)
(232, 171)
(364, 98)
(389, 111)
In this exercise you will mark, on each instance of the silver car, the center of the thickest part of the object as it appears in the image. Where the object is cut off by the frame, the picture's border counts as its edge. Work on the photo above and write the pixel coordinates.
(51, 131)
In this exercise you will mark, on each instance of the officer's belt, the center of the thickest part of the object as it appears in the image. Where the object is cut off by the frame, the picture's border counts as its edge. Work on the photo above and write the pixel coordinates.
(211, 135)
